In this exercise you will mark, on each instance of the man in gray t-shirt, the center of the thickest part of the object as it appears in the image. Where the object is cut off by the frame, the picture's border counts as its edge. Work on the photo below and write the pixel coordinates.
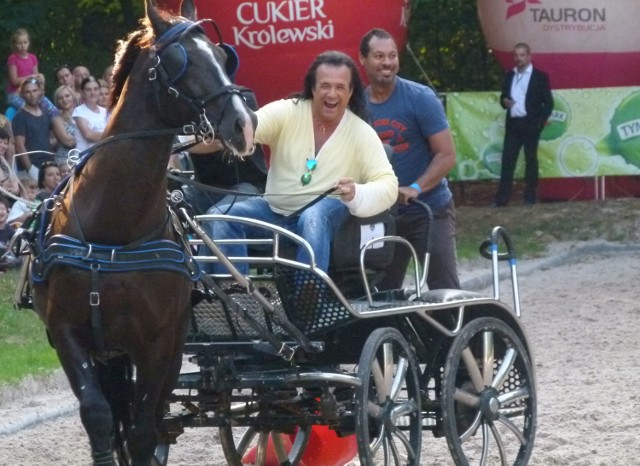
(411, 119)
(31, 128)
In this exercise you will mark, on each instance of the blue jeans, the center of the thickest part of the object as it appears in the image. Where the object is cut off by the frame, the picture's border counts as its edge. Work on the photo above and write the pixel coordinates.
(317, 225)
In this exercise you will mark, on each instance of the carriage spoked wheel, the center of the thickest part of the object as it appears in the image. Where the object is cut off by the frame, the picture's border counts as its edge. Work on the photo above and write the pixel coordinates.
(237, 442)
(388, 417)
(489, 396)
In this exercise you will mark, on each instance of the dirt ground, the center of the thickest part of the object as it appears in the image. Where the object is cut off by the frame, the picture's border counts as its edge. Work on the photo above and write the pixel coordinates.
(580, 309)
(582, 316)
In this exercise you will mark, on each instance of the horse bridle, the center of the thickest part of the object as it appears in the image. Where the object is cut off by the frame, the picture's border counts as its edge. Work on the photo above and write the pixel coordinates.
(169, 45)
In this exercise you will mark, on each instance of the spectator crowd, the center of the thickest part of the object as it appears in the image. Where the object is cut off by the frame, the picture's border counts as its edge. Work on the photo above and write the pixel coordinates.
(38, 134)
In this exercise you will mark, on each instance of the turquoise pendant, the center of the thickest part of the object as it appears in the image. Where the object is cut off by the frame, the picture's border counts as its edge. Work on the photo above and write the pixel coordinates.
(306, 179)
(311, 164)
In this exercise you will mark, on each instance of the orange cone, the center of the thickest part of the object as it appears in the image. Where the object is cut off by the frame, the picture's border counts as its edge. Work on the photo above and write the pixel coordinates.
(325, 448)
(272, 458)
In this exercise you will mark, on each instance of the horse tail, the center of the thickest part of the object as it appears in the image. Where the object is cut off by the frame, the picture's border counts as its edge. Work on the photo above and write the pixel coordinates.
(116, 380)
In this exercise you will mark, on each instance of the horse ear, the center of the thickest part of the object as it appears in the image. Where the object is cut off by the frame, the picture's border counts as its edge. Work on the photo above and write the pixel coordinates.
(188, 10)
(154, 17)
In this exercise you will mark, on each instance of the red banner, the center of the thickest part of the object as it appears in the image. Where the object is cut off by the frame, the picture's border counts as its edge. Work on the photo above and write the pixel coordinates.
(277, 40)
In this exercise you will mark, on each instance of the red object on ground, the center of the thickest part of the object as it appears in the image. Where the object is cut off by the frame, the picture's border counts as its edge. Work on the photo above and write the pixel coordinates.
(272, 459)
(325, 448)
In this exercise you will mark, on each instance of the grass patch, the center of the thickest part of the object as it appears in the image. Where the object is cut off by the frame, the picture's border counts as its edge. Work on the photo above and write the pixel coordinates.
(24, 348)
(534, 228)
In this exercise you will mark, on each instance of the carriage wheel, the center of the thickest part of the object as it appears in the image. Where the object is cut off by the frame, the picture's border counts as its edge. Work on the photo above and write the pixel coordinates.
(237, 442)
(388, 417)
(488, 396)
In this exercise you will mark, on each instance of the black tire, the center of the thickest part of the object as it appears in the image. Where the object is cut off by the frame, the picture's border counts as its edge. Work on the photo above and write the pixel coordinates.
(388, 416)
(492, 420)
(236, 442)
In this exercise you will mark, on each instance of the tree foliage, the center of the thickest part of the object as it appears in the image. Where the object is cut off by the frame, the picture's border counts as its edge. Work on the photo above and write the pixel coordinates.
(447, 42)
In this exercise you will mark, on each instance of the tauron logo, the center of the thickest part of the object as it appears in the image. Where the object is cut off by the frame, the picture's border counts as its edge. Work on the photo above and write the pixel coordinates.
(518, 6)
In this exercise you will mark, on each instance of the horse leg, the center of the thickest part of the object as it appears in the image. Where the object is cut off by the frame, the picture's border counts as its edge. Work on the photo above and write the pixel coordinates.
(156, 374)
(95, 412)
(143, 436)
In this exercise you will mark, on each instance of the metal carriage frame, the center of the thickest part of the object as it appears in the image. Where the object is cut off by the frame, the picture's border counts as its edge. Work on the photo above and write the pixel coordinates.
(284, 349)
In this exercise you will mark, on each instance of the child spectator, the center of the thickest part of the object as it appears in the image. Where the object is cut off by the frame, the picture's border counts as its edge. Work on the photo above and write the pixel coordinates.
(22, 66)
(65, 170)
(90, 118)
(21, 210)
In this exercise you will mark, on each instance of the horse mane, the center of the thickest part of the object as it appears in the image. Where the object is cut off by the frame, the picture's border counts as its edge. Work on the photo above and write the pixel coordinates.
(129, 50)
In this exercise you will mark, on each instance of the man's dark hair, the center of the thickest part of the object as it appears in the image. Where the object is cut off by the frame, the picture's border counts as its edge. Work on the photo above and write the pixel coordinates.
(337, 59)
(522, 45)
(366, 39)
(4, 134)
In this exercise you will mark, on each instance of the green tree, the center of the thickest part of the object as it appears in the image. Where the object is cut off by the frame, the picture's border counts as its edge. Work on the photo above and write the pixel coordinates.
(447, 43)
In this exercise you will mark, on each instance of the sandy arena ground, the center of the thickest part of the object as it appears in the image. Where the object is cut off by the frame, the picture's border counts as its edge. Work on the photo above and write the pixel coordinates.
(582, 315)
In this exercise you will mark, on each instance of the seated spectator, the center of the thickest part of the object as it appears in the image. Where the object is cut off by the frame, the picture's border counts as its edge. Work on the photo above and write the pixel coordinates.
(65, 101)
(107, 76)
(48, 179)
(7, 259)
(6, 230)
(31, 127)
(8, 179)
(105, 90)
(90, 118)
(319, 141)
(64, 77)
(65, 169)
(5, 124)
(21, 66)
(21, 210)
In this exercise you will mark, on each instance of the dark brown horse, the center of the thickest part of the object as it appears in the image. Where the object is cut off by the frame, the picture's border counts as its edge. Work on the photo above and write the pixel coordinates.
(110, 276)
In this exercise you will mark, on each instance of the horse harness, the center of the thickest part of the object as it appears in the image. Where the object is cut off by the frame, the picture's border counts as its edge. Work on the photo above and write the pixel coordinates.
(148, 252)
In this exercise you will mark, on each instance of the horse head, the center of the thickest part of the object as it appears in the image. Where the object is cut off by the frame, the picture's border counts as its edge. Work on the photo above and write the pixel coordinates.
(193, 79)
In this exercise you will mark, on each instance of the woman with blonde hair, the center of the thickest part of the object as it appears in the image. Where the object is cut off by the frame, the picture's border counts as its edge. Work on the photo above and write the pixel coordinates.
(65, 99)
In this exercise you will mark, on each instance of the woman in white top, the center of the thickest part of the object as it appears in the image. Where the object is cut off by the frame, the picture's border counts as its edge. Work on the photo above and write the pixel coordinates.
(90, 118)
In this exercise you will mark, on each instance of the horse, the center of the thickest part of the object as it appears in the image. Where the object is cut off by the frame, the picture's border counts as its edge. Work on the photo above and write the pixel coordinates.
(112, 274)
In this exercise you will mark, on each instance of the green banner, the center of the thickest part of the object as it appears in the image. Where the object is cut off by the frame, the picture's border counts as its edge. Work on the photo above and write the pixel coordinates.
(591, 132)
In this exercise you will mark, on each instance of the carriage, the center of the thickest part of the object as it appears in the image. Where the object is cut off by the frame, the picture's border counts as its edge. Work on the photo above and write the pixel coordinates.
(276, 354)
(284, 349)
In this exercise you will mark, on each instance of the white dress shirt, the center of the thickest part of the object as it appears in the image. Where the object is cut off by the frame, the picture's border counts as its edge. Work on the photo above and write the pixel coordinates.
(519, 87)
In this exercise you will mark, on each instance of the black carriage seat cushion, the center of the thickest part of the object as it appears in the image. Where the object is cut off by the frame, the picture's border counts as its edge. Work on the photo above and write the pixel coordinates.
(354, 232)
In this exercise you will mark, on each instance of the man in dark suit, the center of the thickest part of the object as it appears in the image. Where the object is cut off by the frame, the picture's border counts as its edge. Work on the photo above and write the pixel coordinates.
(526, 95)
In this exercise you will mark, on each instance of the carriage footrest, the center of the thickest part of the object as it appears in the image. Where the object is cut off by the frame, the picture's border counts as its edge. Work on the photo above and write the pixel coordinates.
(449, 295)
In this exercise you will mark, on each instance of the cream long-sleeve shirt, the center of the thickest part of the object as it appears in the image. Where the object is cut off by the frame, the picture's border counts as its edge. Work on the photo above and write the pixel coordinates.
(353, 150)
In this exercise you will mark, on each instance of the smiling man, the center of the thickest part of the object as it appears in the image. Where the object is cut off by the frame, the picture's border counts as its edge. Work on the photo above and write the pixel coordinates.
(319, 140)
(410, 118)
